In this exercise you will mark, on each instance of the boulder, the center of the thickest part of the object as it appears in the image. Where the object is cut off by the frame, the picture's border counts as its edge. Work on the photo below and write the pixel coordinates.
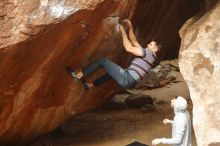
(158, 77)
(139, 100)
(38, 39)
(200, 66)
(148, 108)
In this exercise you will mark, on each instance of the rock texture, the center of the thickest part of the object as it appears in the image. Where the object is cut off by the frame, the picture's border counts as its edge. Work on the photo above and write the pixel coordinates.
(38, 39)
(162, 19)
(158, 77)
(138, 100)
(21, 20)
(200, 66)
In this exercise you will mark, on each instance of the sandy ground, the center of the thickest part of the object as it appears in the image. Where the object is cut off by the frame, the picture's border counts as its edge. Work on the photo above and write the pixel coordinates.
(113, 125)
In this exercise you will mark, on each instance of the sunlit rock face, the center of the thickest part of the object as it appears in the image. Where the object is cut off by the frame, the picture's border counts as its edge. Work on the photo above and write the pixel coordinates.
(21, 19)
(199, 62)
(38, 39)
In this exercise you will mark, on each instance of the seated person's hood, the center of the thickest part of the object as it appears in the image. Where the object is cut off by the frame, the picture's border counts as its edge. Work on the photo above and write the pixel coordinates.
(180, 105)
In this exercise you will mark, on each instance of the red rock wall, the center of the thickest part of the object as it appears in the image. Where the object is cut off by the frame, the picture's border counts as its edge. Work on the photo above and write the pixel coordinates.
(39, 38)
(36, 93)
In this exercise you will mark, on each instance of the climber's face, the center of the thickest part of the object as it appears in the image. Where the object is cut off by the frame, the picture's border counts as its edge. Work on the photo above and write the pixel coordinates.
(153, 46)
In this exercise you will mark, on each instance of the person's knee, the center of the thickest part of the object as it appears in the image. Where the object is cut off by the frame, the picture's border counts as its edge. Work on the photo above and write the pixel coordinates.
(126, 84)
(123, 84)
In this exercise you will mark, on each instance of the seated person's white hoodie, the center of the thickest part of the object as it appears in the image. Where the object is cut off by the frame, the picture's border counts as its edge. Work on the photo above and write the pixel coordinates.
(181, 125)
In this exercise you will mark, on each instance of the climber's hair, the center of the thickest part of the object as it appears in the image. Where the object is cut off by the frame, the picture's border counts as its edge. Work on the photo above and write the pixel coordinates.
(158, 43)
(160, 52)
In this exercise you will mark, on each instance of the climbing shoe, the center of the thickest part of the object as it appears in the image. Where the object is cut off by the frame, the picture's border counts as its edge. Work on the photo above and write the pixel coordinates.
(85, 85)
(73, 73)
